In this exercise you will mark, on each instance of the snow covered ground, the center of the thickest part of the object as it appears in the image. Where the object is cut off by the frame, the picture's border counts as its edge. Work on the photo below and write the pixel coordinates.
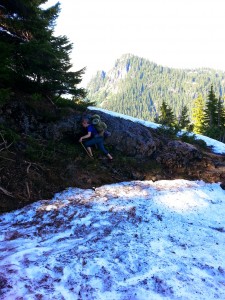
(139, 240)
(136, 240)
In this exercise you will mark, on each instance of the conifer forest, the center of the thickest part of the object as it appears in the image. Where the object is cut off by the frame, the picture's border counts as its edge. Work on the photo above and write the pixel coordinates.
(143, 89)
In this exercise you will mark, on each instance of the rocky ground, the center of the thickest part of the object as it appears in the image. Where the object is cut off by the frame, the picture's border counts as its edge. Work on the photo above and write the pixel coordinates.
(38, 159)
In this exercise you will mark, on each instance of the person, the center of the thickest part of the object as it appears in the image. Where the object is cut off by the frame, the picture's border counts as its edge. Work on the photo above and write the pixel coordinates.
(94, 138)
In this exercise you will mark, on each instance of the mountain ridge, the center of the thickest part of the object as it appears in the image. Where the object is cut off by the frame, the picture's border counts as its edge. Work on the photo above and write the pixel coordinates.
(136, 86)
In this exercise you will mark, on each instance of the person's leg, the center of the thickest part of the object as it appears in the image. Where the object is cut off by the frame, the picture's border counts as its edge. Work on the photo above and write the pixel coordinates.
(109, 156)
(89, 151)
(102, 148)
(91, 142)
(88, 144)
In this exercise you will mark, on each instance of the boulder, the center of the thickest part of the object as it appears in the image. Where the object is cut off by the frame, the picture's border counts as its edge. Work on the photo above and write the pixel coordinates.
(177, 154)
(131, 138)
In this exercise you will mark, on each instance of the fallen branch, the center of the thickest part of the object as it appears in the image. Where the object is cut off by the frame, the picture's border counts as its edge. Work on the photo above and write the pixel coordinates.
(28, 168)
(6, 147)
(50, 100)
(6, 192)
(4, 143)
(7, 158)
(33, 164)
(28, 189)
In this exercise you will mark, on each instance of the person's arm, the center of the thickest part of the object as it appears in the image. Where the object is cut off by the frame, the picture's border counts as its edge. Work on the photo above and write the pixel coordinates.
(85, 136)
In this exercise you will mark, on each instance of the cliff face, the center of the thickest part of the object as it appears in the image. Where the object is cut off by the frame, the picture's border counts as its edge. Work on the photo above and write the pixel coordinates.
(39, 158)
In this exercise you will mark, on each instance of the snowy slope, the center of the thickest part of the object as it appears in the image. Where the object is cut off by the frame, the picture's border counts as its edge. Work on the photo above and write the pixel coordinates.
(137, 240)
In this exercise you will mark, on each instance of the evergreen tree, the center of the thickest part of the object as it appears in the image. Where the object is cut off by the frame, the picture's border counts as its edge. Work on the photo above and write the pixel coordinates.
(214, 117)
(221, 120)
(166, 116)
(198, 114)
(184, 121)
(210, 118)
(221, 112)
(37, 61)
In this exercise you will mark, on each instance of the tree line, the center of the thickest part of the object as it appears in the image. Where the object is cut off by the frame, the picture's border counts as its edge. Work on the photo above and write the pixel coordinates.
(208, 116)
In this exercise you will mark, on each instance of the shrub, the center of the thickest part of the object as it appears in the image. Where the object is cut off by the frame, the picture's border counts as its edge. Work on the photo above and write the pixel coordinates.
(9, 135)
(192, 139)
(72, 103)
(4, 96)
(168, 131)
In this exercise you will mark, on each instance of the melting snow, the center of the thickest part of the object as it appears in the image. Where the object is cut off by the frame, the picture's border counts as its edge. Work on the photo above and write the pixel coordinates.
(136, 240)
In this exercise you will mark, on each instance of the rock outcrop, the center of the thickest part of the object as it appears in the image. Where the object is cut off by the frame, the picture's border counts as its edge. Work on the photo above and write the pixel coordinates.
(131, 138)
(139, 141)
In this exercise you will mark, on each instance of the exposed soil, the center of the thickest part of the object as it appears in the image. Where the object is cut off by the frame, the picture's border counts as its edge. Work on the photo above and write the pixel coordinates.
(24, 181)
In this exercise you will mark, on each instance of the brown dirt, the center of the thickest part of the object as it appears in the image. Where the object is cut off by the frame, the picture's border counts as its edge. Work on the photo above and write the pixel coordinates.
(24, 181)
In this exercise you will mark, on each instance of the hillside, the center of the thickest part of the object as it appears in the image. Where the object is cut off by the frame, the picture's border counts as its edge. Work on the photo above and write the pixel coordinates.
(40, 154)
(136, 87)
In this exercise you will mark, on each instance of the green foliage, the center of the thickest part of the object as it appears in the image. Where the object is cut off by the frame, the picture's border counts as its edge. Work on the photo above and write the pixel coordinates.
(137, 87)
(221, 113)
(74, 103)
(215, 132)
(4, 96)
(36, 97)
(209, 121)
(50, 151)
(184, 122)
(32, 59)
(213, 122)
(5, 62)
(166, 116)
(9, 135)
(192, 139)
(168, 131)
(210, 117)
(142, 89)
(198, 114)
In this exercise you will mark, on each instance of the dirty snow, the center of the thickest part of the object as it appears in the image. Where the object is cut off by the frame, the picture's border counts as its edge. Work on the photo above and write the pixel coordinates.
(132, 240)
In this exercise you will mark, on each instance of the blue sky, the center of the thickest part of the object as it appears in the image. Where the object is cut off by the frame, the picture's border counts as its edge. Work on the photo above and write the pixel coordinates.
(175, 33)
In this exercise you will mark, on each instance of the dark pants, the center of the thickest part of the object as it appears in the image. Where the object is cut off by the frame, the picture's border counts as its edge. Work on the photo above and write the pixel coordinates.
(99, 141)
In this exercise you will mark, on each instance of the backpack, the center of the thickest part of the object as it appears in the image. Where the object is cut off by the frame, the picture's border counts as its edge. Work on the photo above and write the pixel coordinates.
(100, 126)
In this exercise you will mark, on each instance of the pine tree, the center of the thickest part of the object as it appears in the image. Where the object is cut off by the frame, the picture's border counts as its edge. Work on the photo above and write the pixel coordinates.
(198, 114)
(37, 61)
(184, 121)
(210, 119)
(221, 112)
(221, 120)
(166, 116)
(214, 117)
